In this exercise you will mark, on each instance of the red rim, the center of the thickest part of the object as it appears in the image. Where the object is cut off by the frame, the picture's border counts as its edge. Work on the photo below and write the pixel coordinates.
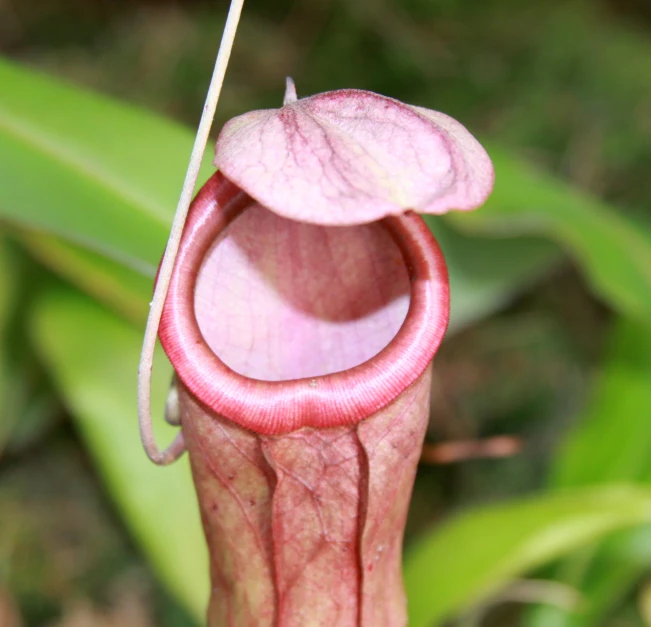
(342, 398)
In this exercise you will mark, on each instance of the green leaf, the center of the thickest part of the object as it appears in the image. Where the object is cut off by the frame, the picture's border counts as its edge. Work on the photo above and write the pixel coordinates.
(93, 358)
(486, 274)
(28, 406)
(610, 443)
(603, 575)
(99, 173)
(613, 251)
(475, 554)
(123, 290)
(611, 440)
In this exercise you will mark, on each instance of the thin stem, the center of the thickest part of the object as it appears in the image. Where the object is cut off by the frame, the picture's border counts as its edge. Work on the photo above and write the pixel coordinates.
(537, 591)
(177, 447)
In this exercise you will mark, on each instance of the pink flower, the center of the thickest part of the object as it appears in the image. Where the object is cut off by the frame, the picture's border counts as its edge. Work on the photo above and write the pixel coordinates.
(307, 302)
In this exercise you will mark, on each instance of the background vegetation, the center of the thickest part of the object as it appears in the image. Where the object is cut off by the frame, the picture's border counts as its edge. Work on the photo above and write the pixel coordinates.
(550, 343)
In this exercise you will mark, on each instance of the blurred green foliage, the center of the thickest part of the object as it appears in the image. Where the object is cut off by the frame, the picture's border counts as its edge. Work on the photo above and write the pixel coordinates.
(551, 282)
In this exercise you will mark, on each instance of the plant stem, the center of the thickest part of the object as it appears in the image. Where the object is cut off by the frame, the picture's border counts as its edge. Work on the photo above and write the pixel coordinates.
(165, 273)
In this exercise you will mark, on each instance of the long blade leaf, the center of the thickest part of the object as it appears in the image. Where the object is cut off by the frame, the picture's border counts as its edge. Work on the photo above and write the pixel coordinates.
(92, 356)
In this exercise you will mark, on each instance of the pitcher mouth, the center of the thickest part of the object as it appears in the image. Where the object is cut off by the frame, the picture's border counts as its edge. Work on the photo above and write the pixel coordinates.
(325, 400)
